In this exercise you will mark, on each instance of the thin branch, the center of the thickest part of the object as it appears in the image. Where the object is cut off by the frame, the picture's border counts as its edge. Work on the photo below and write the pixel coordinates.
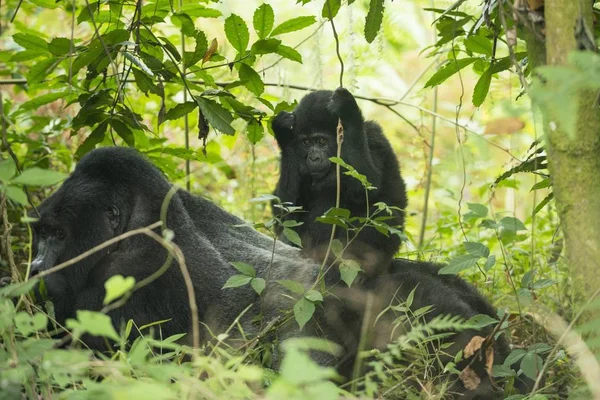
(337, 45)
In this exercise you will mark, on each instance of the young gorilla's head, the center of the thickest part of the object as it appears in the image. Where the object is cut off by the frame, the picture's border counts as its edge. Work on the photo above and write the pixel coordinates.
(313, 129)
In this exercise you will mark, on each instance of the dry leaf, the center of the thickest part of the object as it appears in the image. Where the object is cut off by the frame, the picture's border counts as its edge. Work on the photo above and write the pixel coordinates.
(489, 359)
(535, 4)
(504, 126)
(210, 51)
(473, 346)
(469, 378)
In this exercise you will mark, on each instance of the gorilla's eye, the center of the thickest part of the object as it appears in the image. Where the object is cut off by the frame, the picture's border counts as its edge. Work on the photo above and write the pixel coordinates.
(321, 141)
(306, 142)
(43, 231)
(113, 211)
(60, 234)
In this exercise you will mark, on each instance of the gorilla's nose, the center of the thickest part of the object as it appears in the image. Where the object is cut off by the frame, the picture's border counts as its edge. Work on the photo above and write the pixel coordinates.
(36, 267)
(314, 158)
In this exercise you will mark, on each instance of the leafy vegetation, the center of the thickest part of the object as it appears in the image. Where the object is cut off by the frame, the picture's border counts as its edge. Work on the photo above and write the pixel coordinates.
(193, 85)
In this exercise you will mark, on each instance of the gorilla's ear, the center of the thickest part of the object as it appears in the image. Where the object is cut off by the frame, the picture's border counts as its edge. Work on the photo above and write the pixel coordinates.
(114, 217)
(284, 120)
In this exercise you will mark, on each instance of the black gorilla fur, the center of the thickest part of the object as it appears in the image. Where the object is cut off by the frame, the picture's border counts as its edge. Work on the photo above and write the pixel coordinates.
(307, 138)
(115, 190)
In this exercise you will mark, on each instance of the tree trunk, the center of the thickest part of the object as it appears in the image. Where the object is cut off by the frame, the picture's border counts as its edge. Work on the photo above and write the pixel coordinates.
(574, 162)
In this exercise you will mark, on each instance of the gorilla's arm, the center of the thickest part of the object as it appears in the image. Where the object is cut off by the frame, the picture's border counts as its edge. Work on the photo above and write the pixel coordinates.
(289, 177)
(355, 148)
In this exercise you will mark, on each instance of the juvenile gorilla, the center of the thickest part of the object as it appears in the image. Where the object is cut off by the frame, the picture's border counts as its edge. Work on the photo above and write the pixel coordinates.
(307, 138)
(115, 190)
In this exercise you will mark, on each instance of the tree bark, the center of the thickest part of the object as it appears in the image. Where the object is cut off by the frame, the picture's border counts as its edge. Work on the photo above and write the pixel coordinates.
(574, 162)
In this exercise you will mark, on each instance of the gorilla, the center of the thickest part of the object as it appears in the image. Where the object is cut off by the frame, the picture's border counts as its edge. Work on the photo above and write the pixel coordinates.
(307, 139)
(115, 190)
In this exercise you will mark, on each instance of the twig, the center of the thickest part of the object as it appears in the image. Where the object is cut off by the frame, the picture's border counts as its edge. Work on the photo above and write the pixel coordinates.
(337, 45)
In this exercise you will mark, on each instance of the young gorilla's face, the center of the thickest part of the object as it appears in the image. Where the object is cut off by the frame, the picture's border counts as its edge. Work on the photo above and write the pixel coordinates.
(317, 148)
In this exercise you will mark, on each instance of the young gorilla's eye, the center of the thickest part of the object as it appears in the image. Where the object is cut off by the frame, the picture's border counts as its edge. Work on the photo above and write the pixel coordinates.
(43, 231)
(321, 141)
(306, 142)
(60, 234)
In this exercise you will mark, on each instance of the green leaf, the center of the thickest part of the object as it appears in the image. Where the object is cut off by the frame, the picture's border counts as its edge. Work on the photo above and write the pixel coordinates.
(489, 263)
(292, 236)
(502, 371)
(123, 131)
(292, 286)
(512, 224)
(8, 169)
(294, 24)
(255, 131)
(479, 209)
(30, 42)
(237, 281)
(481, 321)
(477, 249)
(514, 356)
(542, 283)
(199, 11)
(44, 99)
(180, 110)
(144, 82)
(40, 70)
(184, 22)
(216, 115)
(531, 365)
(543, 203)
(94, 323)
(39, 177)
(374, 19)
(263, 20)
(116, 286)
(95, 138)
(458, 264)
(543, 184)
(313, 295)
(448, 70)
(258, 284)
(60, 46)
(266, 46)
(303, 311)
(251, 79)
(479, 44)
(482, 88)
(244, 268)
(331, 8)
(289, 53)
(236, 32)
(27, 324)
(349, 271)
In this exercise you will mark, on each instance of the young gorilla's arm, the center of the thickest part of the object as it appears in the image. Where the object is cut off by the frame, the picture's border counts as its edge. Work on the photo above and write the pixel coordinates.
(355, 148)
(289, 176)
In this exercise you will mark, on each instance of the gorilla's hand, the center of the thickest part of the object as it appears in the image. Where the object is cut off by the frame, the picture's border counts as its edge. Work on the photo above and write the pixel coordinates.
(5, 281)
(343, 104)
(283, 125)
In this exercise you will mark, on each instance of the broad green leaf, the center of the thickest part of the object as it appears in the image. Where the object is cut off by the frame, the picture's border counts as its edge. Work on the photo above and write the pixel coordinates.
(514, 356)
(27, 324)
(512, 224)
(39, 177)
(236, 32)
(531, 365)
(331, 8)
(184, 22)
(482, 88)
(16, 194)
(289, 53)
(337, 247)
(123, 130)
(458, 264)
(8, 169)
(172, 49)
(258, 284)
(294, 24)
(60, 46)
(481, 321)
(313, 295)
(94, 323)
(216, 115)
(542, 283)
(30, 42)
(543, 203)
(116, 286)
(479, 209)
(479, 44)
(489, 263)
(544, 183)
(144, 82)
(374, 19)
(349, 271)
(244, 268)
(251, 79)
(237, 281)
(292, 236)
(448, 70)
(293, 286)
(263, 20)
(266, 46)
(40, 70)
(503, 371)
(17, 289)
(195, 10)
(95, 138)
(180, 110)
(27, 55)
(303, 311)
(44, 99)
(477, 249)
(255, 131)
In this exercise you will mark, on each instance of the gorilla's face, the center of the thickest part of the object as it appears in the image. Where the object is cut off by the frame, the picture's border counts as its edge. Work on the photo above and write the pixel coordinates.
(316, 150)
(68, 226)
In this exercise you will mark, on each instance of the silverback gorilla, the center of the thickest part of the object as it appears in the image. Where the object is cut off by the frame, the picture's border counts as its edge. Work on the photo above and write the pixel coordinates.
(307, 139)
(115, 190)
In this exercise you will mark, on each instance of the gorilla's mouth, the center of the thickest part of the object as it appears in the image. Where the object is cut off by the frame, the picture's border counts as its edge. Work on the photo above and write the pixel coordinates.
(320, 172)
